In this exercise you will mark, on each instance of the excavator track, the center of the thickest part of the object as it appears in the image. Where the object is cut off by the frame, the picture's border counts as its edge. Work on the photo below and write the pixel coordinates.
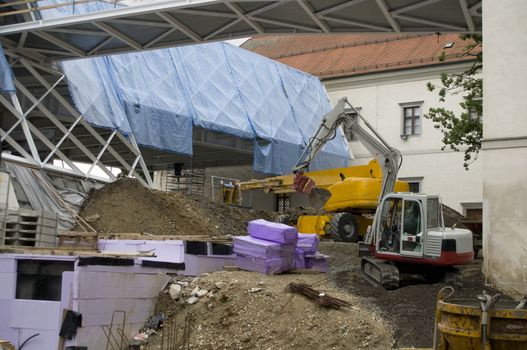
(380, 272)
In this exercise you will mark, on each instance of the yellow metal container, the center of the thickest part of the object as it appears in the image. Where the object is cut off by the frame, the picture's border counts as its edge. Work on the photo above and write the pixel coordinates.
(459, 326)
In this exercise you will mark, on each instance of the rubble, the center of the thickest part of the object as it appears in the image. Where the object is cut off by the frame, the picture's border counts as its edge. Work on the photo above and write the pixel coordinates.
(249, 310)
(192, 300)
(175, 290)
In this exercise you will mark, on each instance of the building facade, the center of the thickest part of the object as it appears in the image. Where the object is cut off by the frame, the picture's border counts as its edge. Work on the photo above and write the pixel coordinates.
(385, 77)
(395, 103)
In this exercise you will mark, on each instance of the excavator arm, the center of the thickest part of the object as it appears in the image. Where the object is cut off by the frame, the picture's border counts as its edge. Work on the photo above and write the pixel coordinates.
(388, 157)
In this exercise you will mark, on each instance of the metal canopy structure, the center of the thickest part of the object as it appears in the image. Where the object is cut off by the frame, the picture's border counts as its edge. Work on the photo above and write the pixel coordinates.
(40, 124)
(181, 22)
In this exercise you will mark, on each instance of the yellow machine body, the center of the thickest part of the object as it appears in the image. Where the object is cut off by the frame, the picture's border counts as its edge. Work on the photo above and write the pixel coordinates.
(358, 193)
(318, 223)
(313, 224)
(459, 326)
(323, 178)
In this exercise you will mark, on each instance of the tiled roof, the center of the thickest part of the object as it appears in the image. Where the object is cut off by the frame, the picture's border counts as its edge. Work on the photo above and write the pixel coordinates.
(333, 56)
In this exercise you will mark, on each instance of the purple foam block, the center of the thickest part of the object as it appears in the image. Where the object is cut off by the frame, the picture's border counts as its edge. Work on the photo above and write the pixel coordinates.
(272, 231)
(300, 260)
(260, 248)
(318, 262)
(270, 266)
(308, 243)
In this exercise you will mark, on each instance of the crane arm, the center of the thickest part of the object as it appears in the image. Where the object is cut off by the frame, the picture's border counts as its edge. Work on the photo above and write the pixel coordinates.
(388, 157)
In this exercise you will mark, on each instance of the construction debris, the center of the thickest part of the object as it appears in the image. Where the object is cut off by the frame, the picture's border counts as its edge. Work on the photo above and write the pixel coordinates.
(319, 298)
(237, 316)
(127, 206)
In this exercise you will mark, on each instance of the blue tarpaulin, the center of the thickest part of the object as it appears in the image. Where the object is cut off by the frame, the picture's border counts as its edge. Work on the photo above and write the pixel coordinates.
(6, 74)
(158, 96)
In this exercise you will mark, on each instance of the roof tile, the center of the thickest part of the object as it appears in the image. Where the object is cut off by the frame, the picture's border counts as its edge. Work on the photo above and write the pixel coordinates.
(332, 56)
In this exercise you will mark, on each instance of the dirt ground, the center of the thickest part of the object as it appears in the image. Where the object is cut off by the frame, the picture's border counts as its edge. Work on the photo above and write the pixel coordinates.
(233, 317)
(410, 309)
(125, 206)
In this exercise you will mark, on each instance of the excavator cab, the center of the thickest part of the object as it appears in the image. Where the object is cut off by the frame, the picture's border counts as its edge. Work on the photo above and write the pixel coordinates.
(401, 228)
(408, 237)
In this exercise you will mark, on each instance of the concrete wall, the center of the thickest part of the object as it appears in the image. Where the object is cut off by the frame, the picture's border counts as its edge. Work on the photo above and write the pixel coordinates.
(505, 144)
(380, 97)
(22, 318)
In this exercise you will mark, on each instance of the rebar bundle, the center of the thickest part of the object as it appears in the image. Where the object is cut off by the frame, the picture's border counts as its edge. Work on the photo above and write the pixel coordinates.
(320, 298)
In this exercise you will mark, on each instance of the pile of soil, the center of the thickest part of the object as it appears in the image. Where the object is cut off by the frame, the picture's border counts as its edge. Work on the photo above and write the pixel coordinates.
(255, 311)
(125, 206)
(452, 217)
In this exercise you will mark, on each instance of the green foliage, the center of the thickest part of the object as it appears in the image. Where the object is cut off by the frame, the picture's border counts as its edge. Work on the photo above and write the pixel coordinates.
(466, 129)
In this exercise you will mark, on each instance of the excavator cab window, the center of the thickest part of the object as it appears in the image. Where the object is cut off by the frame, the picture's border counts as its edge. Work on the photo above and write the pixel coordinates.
(433, 213)
(412, 218)
(412, 234)
(391, 225)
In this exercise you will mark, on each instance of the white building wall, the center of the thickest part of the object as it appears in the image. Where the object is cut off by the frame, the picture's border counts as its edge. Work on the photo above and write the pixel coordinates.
(505, 144)
(380, 96)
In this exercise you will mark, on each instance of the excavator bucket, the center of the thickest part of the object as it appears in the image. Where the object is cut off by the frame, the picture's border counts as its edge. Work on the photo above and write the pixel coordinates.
(317, 196)
(303, 183)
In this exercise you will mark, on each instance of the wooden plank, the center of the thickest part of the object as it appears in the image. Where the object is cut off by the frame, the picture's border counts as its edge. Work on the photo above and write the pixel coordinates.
(140, 236)
(77, 234)
(66, 251)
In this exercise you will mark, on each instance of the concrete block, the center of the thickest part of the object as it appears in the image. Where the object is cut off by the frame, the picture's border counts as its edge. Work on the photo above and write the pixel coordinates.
(7, 265)
(10, 334)
(45, 339)
(67, 288)
(5, 314)
(7, 285)
(100, 285)
(36, 314)
(93, 336)
(196, 265)
(97, 312)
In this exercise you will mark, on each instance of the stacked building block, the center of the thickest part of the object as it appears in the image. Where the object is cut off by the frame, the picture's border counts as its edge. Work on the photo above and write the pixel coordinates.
(269, 248)
(273, 248)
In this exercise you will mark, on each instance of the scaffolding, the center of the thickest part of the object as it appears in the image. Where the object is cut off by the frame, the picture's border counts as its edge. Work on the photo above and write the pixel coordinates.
(30, 111)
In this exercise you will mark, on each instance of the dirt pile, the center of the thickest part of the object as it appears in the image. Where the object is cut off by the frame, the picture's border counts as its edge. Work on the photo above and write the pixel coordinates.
(244, 310)
(452, 217)
(127, 206)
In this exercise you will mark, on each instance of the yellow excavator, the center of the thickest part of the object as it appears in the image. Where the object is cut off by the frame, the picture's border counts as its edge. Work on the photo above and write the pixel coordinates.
(351, 195)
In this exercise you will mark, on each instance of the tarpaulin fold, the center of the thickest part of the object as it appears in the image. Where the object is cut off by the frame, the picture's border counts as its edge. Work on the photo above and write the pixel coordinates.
(6, 74)
(158, 96)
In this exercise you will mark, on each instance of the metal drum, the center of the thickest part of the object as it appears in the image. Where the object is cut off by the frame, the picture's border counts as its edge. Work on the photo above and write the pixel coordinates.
(463, 324)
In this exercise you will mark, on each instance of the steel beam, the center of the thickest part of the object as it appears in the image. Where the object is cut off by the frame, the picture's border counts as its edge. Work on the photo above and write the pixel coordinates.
(309, 10)
(386, 12)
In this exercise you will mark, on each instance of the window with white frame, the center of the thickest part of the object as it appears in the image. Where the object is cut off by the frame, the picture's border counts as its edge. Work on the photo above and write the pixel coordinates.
(411, 123)
(413, 182)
